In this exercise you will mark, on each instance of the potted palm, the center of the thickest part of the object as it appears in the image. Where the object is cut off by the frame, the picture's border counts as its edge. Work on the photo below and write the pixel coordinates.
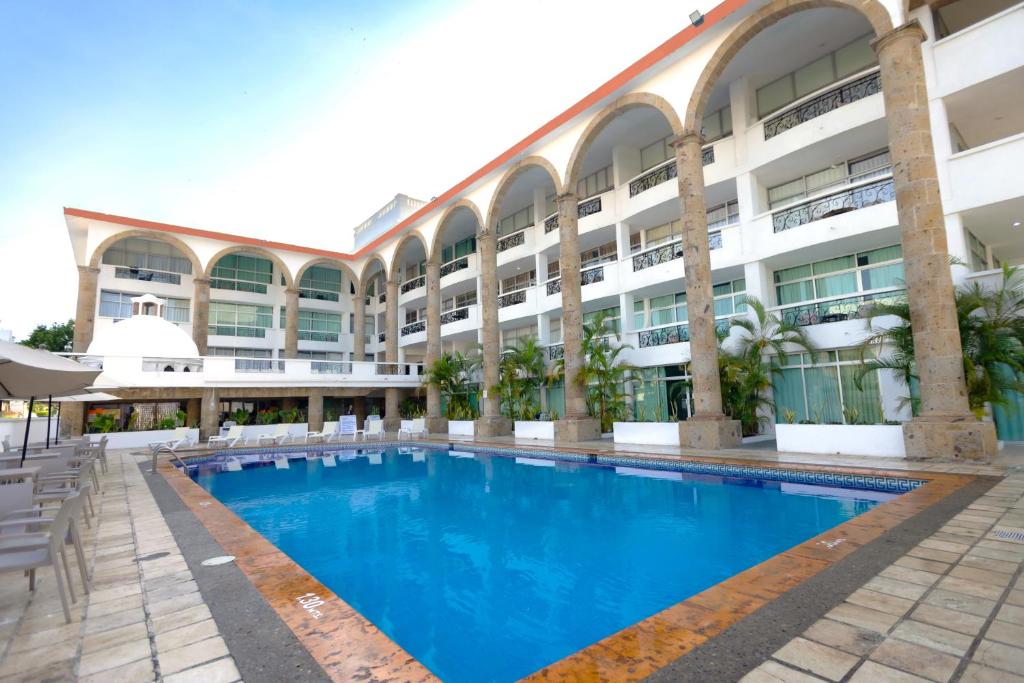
(520, 379)
(453, 374)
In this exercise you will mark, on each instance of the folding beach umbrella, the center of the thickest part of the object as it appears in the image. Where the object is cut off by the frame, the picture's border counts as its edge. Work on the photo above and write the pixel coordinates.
(77, 398)
(27, 373)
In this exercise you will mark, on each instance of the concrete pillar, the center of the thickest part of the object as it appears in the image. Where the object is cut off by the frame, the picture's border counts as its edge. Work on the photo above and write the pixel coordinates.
(576, 424)
(945, 428)
(193, 411)
(201, 313)
(315, 410)
(359, 325)
(209, 419)
(708, 428)
(436, 423)
(85, 311)
(491, 422)
(359, 408)
(392, 420)
(72, 419)
(291, 323)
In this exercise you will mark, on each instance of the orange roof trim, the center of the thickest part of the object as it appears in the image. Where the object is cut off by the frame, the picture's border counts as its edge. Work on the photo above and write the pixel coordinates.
(651, 59)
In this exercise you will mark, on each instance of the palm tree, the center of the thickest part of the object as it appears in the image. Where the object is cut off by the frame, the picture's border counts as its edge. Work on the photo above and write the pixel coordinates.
(452, 373)
(521, 374)
(604, 375)
(991, 323)
(746, 372)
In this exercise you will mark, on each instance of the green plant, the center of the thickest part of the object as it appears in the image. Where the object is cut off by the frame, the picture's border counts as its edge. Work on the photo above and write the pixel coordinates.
(267, 417)
(290, 416)
(241, 416)
(180, 417)
(104, 423)
(788, 415)
(411, 408)
(452, 373)
(521, 375)
(991, 324)
(167, 423)
(604, 374)
(851, 415)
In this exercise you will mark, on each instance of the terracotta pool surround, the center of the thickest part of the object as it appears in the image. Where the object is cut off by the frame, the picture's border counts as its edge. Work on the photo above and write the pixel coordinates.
(348, 647)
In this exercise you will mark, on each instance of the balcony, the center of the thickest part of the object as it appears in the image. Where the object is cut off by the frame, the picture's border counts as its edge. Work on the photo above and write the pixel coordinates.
(980, 52)
(414, 327)
(458, 314)
(659, 336)
(587, 207)
(454, 266)
(145, 275)
(665, 172)
(587, 277)
(837, 309)
(512, 298)
(867, 193)
(818, 105)
(985, 175)
(381, 338)
(461, 320)
(556, 352)
(657, 255)
(415, 283)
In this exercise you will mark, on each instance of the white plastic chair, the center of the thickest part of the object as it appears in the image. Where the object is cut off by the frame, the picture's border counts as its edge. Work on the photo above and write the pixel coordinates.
(374, 428)
(326, 434)
(277, 437)
(418, 427)
(180, 437)
(233, 436)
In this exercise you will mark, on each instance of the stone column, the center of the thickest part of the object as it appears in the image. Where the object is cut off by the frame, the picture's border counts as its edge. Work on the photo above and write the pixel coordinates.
(209, 420)
(708, 428)
(72, 419)
(291, 323)
(315, 410)
(359, 325)
(193, 411)
(436, 423)
(201, 313)
(392, 420)
(359, 408)
(945, 428)
(491, 421)
(576, 424)
(85, 311)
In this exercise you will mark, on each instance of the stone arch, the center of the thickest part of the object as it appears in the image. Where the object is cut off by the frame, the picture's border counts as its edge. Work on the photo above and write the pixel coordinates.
(514, 171)
(435, 251)
(364, 275)
(606, 116)
(333, 263)
(97, 254)
(749, 28)
(260, 251)
(396, 258)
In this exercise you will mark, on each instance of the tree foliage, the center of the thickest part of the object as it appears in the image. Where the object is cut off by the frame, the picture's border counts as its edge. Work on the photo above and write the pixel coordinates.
(452, 373)
(58, 337)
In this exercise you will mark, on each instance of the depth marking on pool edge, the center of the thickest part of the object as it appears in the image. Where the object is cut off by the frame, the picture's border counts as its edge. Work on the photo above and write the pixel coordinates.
(310, 602)
(832, 545)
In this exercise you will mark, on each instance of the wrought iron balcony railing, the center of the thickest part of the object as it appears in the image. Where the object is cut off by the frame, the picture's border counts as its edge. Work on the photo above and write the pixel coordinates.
(588, 207)
(382, 297)
(455, 266)
(837, 310)
(653, 257)
(556, 352)
(587, 277)
(512, 298)
(665, 172)
(659, 336)
(857, 89)
(414, 283)
(553, 286)
(413, 328)
(715, 240)
(453, 316)
(145, 275)
(514, 240)
(330, 367)
(851, 199)
(381, 338)
(551, 223)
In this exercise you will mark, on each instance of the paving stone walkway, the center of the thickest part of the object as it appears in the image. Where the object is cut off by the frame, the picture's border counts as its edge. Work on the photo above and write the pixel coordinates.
(951, 609)
(144, 620)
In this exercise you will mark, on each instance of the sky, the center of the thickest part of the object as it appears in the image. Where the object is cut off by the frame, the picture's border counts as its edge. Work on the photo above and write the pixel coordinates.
(291, 120)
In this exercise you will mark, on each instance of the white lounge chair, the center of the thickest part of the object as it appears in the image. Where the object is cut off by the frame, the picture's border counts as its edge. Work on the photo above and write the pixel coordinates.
(347, 427)
(330, 429)
(233, 436)
(417, 427)
(179, 438)
(374, 428)
(277, 437)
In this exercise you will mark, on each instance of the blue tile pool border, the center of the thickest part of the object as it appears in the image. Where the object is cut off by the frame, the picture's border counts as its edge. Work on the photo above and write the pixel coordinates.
(815, 477)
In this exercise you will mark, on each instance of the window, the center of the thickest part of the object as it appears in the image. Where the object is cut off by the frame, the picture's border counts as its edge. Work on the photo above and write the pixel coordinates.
(458, 250)
(319, 326)
(242, 273)
(414, 315)
(866, 271)
(717, 125)
(597, 255)
(240, 320)
(825, 391)
(663, 234)
(555, 331)
(856, 170)
(656, 153)
(516, 222)
(459, 301)
(834, 66)
(979, 253)
(142, 255)
(520, 281)
(115, 304)
(597, 182)
(509, 337)
(177, 310)
(730, 298)
(234, 352)
(554, 269)
(319, 282)
(414, 270)
(612, 321)
(723, 215)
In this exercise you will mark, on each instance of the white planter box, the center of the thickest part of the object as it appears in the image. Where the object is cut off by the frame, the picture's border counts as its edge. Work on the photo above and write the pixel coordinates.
(14, 430)
(647, 433)
(881, 440)
(533, 429)
(460, 428)
(140, 439)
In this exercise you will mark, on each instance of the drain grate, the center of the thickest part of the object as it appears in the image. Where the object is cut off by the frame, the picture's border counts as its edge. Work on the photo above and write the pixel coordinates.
(1009, 535)
(152, 556)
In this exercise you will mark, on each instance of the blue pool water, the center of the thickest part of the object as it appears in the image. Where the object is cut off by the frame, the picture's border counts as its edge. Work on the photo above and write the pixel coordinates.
(487, 568)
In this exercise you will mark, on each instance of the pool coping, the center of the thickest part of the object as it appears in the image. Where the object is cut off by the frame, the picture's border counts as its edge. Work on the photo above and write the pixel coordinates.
(348, 646)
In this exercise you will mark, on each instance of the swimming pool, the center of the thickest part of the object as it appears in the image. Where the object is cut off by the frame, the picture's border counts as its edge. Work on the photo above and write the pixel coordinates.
(487, 567)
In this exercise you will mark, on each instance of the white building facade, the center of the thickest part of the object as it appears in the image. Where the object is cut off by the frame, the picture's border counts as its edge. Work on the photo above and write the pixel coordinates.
(812, 201)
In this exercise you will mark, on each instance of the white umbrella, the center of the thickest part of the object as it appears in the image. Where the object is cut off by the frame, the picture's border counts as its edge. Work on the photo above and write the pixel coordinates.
(27, 373)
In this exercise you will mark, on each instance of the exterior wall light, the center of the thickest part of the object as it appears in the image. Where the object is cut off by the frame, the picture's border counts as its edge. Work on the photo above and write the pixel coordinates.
(696, 18)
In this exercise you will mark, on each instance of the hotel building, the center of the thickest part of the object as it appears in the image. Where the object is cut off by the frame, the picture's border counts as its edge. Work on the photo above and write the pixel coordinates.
(816, 154)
